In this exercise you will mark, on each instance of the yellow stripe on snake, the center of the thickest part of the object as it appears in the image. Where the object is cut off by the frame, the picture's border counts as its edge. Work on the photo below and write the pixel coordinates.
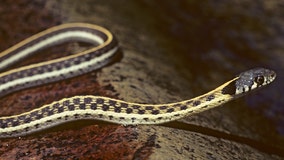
(97, 107)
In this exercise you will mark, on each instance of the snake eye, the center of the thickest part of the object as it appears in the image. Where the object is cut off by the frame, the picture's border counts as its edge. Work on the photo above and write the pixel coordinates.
(259, 80)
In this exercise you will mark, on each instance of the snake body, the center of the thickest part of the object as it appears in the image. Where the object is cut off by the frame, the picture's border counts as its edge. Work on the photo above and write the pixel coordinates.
(97, 107)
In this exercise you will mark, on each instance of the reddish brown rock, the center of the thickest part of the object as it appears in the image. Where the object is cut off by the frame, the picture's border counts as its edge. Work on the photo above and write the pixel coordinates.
(159, 48)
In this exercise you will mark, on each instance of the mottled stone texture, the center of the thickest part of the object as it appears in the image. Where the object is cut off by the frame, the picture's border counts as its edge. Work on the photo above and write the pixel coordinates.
(172, 50)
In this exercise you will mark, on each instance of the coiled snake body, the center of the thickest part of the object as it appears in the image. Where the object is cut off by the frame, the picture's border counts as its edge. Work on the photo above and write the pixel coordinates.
(97, 107)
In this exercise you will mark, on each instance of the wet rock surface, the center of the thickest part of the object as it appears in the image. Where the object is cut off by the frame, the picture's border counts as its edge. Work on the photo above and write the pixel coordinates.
(171, 51)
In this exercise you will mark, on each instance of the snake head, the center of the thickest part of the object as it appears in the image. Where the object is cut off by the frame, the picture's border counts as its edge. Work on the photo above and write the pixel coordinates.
(253, 79)
(250, 80)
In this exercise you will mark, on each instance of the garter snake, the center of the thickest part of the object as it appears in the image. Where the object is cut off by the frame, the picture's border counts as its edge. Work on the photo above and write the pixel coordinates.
(97, 107)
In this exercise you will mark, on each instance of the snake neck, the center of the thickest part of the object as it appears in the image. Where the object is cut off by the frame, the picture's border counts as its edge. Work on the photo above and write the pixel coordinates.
(173, 111)
(134, 113)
